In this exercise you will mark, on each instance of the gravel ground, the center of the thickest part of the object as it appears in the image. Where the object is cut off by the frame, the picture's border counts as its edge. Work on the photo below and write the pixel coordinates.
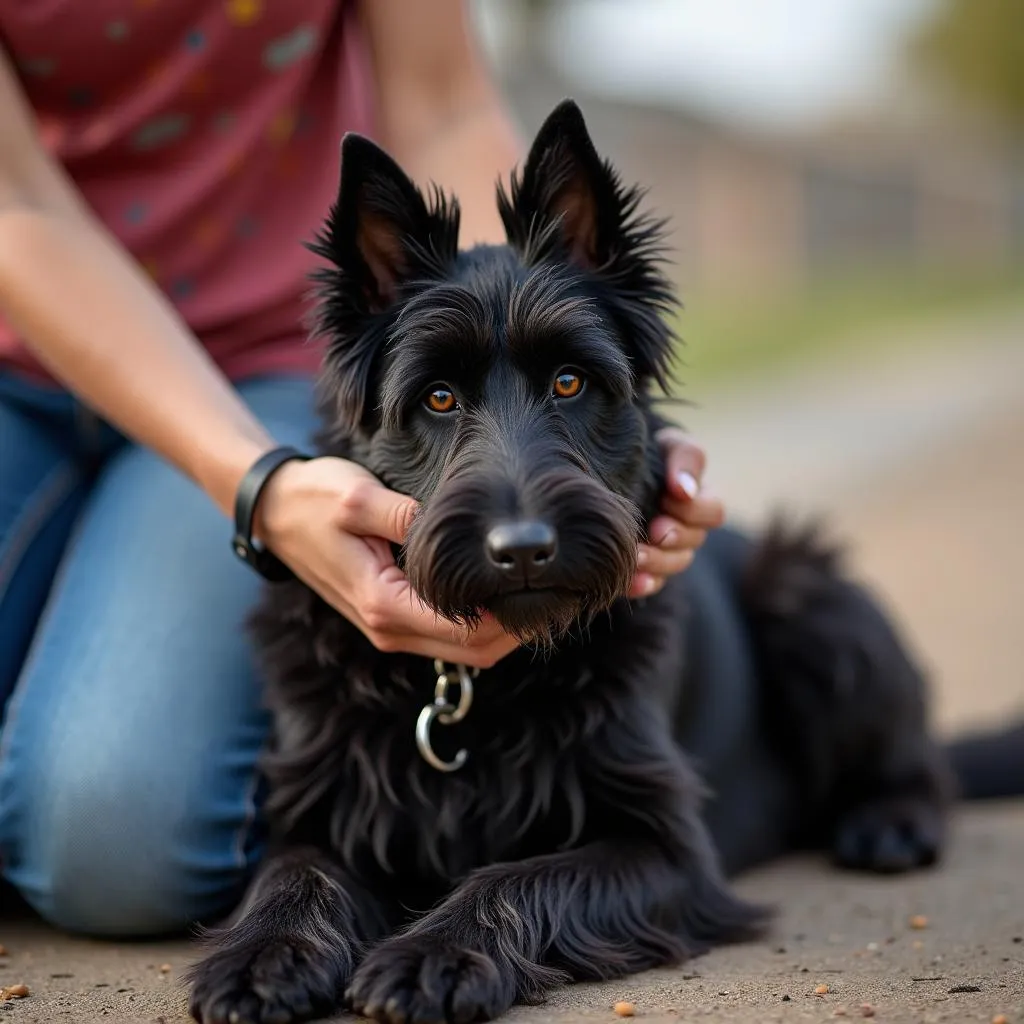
(850, 933)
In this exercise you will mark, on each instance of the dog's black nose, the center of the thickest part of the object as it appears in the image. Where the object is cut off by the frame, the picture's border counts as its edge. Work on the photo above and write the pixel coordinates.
(523, 549)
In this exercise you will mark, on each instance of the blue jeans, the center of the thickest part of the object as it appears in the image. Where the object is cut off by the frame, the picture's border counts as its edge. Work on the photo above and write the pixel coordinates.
(129, 791)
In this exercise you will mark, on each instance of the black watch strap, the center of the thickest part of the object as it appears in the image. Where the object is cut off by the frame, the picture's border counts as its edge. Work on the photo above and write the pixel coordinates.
(268, 565)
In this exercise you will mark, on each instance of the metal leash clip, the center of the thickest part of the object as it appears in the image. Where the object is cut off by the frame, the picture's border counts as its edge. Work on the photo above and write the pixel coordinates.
(443, 711)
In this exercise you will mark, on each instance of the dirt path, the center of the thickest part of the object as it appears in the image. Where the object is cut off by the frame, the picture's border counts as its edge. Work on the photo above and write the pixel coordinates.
(851, 934)
(937, 518)
(918, 461)
(944, 540)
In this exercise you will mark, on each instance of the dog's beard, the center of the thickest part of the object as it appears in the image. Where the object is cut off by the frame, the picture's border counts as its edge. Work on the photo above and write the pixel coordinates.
(597, 532)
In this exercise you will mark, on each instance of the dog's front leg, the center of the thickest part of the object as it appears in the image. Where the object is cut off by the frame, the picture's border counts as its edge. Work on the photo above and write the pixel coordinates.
(511, 930)
(292, 947)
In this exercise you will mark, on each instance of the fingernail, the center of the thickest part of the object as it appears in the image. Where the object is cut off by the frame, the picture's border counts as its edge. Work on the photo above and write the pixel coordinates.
(642, 558)
(671, 536)
(647, 585)
(689, 484)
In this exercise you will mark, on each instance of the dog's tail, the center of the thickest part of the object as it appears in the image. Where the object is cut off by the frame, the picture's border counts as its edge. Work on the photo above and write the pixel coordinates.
(792, 573)
(989, 765)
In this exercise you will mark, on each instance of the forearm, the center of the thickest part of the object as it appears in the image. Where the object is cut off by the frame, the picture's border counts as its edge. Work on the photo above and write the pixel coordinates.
(466, 153)
(103, 329)
(439, 113)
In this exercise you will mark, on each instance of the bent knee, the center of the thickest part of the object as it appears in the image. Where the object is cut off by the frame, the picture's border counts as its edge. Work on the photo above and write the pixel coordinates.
(116, 857)
(78, 898)
(95, 891)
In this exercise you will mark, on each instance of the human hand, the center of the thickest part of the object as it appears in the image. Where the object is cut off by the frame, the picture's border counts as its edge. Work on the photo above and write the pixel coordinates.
(688, 514)
(330, 521)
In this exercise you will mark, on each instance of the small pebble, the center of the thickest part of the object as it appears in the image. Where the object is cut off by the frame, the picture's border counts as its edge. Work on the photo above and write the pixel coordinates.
(839, 1011)
(3, 951)
(873, 947)
(1000, 1018)
(821, 990)
(14, 992)
(918, 921)
(867, 1010)
(165, 968)
(624, 1009)
(785, 999)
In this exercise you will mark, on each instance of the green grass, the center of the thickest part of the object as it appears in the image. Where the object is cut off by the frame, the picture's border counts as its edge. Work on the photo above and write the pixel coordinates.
(726, 338)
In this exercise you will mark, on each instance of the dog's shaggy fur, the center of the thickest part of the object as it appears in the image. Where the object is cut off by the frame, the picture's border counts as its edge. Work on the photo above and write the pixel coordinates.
(577, 840)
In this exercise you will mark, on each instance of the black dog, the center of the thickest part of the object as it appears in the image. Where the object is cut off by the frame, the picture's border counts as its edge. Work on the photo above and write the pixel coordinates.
(507, 388)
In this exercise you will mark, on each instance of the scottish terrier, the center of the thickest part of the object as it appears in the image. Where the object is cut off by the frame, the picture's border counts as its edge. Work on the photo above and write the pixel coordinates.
(445, 845)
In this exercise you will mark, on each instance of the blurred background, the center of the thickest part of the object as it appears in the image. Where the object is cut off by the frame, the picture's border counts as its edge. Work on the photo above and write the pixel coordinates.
(845, 183)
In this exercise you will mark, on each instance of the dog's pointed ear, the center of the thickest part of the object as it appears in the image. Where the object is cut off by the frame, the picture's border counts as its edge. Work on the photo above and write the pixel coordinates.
(565, 190)
(380, 230)
(568, 204)
(381, 235)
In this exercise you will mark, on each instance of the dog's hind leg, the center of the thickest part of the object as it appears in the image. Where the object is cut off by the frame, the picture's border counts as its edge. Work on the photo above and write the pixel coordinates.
(291, 948)
(845, 707)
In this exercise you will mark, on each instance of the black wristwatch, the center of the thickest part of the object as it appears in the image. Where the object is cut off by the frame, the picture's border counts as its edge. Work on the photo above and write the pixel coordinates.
(268, 565)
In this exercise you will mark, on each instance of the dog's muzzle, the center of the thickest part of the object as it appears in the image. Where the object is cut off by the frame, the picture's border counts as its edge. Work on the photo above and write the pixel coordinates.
(535, 550)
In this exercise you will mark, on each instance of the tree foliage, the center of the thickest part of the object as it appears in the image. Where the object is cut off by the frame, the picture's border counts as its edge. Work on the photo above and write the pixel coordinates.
(977, 47)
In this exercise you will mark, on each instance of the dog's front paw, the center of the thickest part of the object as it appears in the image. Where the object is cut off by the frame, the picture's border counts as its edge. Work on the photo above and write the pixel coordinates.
(890, 835)
(276, 983)
(420, 980)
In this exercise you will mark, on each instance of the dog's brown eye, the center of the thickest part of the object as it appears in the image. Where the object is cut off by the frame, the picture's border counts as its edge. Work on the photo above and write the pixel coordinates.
(567, 385)
(440, 400)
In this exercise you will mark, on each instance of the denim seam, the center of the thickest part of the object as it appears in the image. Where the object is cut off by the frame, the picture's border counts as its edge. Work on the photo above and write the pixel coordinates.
(43, 503)
(245, 828)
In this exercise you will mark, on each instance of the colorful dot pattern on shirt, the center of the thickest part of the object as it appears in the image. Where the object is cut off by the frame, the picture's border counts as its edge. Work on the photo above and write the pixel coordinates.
(283, 52)
(135, 213)
(205, 134)
(118, 31)
(244, 12)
